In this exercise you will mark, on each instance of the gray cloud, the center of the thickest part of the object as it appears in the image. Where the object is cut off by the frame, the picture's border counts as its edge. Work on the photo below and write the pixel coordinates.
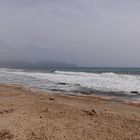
(88, 33)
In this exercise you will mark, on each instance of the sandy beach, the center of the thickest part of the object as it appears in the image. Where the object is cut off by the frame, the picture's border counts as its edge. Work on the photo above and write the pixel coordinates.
(33, 115)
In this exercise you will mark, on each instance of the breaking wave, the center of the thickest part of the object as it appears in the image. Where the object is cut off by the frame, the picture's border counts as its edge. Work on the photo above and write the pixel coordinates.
(74, 81)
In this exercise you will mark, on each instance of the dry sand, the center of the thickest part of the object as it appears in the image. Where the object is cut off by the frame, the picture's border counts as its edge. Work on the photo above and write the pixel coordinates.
(28, 115)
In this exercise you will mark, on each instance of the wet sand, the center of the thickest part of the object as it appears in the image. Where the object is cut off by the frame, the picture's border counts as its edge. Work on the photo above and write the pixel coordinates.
(33, 115)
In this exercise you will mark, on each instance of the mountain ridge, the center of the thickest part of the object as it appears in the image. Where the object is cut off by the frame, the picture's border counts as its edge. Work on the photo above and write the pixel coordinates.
(35, 65)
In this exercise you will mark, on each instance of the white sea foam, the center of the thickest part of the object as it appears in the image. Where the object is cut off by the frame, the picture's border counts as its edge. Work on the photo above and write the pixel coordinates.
(106, 82)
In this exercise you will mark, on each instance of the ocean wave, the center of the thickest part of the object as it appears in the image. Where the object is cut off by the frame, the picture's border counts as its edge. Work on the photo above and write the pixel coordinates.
(75, 81)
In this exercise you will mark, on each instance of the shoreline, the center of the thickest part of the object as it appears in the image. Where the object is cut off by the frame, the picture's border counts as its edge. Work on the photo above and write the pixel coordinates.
(27, 114)
(100, 96)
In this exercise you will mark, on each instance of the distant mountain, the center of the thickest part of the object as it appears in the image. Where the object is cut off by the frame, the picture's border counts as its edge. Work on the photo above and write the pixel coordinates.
(37, 65)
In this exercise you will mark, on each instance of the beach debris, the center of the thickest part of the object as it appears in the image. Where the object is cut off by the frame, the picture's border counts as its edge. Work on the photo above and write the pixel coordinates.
(4, 111)
(32, 133)
(134, 92)
(51, 98)
(90, 112)
(5, 134)
(62, 112)
(61, 83)
(46, 110)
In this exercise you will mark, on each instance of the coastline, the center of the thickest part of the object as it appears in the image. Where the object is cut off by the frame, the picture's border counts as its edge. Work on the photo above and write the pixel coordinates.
(30, 114)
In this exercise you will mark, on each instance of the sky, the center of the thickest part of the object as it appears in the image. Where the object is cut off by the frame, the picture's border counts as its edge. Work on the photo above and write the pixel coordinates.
(97, 33)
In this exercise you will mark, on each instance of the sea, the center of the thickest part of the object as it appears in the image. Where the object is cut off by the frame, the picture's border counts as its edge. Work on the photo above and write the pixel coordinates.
(118, 82)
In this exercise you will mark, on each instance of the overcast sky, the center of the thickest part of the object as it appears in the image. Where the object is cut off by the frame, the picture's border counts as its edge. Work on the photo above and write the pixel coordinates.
(84, 32)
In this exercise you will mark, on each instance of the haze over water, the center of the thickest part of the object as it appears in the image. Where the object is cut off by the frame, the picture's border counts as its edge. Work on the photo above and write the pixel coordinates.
(93, 33)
